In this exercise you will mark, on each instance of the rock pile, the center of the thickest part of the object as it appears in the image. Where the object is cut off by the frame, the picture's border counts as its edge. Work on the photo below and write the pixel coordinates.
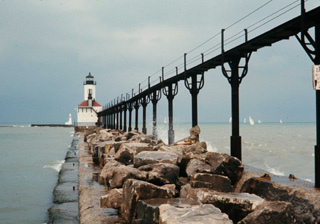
(151, 182)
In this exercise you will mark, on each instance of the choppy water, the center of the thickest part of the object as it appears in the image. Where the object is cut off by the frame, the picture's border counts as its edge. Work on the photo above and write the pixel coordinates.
(31, 157)
(282, 149)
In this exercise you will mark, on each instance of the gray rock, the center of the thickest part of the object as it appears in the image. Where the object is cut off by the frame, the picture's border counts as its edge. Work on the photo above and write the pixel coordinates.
(225, 165)
(151, 157)
(276, 212)
(148, 210)
(196, 214)
(211, 181)
(104, 135)
(161, 173)
(236, 205)
(192, 193)
(128, 151)
(113, 199)
(304, 199)
(134, 190)
(115, 174)
(196, 166)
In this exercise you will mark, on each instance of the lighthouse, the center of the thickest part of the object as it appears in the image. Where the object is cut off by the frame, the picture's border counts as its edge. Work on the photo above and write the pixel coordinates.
(88, 109)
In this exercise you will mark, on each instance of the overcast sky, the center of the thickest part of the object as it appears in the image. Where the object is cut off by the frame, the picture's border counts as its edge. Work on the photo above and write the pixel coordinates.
(48, 47)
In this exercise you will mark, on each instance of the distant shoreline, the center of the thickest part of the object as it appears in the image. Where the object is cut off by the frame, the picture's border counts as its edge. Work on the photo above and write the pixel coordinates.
(51, 125)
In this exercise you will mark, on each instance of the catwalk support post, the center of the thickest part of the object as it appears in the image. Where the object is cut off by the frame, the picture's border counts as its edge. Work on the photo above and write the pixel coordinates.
(170, 90)
(312, 47)
(234, 78)
(154, 96)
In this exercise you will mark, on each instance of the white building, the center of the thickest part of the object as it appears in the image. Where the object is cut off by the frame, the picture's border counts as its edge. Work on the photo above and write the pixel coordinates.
(88, 109)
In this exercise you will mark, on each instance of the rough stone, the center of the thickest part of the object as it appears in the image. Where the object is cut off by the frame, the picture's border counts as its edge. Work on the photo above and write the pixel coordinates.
(211, 181)
(224, 164)
(128, 151)
(115, 176)
(148, 210)
(192, 193)
(276, 212)
(134, 190)
(104, 135)
(305, 200)
(236, 205)
(151, 157)
(161, 173)
(196, 166)
(196, 214)
(113, 199)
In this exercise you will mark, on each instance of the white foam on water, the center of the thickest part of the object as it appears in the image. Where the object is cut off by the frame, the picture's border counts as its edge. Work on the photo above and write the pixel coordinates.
(211, 148)
(56, 166)
(273, 170)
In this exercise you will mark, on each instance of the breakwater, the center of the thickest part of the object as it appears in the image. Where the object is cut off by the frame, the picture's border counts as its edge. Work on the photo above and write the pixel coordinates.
(65, 194)
(146, 181)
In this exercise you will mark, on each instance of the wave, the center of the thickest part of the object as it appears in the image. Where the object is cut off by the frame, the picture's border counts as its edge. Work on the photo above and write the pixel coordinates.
(56, 166)
(273, 170)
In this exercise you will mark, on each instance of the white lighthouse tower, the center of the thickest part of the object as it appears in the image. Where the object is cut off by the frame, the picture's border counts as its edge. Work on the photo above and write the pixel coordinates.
(88, 109)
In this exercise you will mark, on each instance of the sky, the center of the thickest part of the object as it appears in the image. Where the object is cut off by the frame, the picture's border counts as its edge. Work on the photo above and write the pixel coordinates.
(48, 47)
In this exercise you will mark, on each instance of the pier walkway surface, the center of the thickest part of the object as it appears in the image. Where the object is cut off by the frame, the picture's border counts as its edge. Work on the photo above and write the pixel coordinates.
(128, 177)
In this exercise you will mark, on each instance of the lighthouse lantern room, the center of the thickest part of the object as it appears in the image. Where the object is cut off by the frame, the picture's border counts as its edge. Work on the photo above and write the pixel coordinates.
(88, 109)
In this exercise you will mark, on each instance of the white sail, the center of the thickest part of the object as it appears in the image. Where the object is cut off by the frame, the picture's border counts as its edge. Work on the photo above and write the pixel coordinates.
(259, 121)
(230, 119)
(244, 120)
(165, 120)
(280, 121)
(251, 120)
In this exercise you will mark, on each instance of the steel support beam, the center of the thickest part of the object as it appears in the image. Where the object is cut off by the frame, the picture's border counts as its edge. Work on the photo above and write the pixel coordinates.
(136, 107)
(125, 117)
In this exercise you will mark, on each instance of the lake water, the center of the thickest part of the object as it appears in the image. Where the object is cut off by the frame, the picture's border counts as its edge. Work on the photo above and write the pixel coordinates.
(30, 158)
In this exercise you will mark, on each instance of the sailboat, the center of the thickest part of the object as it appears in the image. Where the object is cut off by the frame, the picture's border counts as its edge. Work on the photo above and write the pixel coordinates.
(165, 120)
(251, 120)
(230, 119)
(259, 121)
(244, 120)
(280, 121)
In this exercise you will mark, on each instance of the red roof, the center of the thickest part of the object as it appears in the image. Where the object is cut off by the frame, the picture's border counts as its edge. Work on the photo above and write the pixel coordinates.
(85, 104)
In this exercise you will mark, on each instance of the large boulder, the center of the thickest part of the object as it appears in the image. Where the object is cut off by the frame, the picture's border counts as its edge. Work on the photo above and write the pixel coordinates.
(105, 135)
(211, 181)
(196, 166)
(224, 164)
(148, 210)
(113, 199)
(134, 190)
(152, 157)
(187, 191)
(195, 214)
(303, 196)
(276, 212)
(128, 151)
(236, 205)
(114, 177)
(161, 173)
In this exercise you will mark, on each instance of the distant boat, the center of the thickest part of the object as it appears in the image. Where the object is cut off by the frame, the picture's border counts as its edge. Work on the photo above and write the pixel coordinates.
(259, 121)
(244, 120)
(251, 120)
(230, 119)
(280, 121)
(165, 120)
